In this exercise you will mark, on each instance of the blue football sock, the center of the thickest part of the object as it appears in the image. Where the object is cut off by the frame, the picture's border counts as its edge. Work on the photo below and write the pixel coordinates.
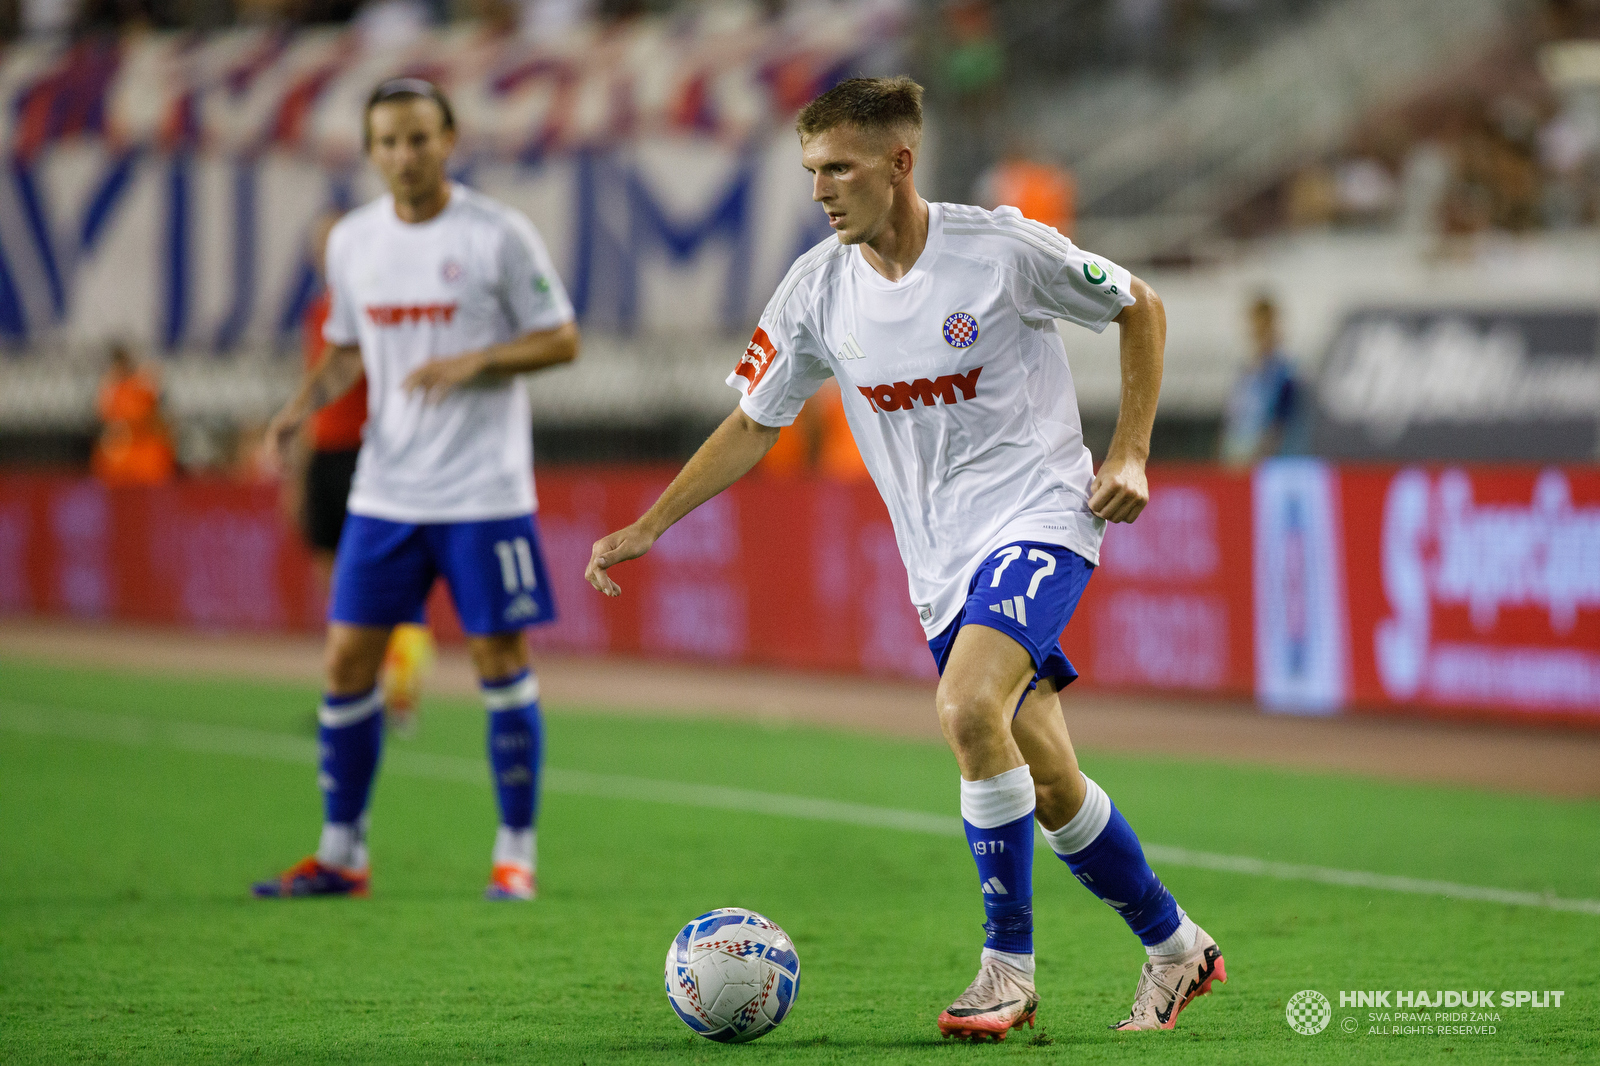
(997, 814)
(516, 742)
(1101, 850)
(350, 732)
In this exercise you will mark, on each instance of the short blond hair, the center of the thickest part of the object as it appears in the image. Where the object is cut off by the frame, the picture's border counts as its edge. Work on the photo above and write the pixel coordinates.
(887, 105)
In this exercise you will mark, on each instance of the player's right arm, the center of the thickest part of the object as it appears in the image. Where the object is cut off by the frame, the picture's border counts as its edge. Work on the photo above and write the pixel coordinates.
(332, 378)
(726, 456)
(781, 367)
(340, 366)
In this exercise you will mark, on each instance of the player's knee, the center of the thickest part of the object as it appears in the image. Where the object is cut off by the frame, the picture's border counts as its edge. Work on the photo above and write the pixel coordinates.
(499, 655)
(348, 672)
(350, 666)
(969, 719)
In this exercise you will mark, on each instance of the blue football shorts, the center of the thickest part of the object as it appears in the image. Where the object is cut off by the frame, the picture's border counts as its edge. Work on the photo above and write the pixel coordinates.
(1027, 591)
(496, 573)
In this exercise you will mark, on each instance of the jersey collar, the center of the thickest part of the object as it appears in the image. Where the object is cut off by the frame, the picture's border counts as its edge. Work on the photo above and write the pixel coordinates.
(924, 263)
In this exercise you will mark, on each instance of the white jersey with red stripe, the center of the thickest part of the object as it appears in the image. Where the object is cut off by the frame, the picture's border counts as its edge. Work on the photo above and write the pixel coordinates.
(955, 385)
(474, 275)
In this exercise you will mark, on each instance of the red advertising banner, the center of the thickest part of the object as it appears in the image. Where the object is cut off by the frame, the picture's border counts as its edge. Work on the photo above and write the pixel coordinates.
(1169, 607)
(1314, 588)
(1475, 590)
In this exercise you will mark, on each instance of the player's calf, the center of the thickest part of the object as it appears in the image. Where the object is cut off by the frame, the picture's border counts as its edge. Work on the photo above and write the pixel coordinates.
(516, 744)
(1101, 850)
(350, 739)
(997, 813)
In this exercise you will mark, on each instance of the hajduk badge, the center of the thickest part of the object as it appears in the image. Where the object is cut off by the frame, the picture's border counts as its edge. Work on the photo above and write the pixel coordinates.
(960, 330)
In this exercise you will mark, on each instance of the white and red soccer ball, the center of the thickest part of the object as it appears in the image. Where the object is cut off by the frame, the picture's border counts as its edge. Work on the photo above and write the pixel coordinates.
(732, 975)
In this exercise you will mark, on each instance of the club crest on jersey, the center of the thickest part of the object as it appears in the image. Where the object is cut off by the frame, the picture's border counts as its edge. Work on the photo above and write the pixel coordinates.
(452, 271)
(756, 360)
(960, 330)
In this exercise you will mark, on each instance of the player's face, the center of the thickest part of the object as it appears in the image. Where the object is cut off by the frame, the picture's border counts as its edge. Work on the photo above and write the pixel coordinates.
(410, 146)
(853, 178)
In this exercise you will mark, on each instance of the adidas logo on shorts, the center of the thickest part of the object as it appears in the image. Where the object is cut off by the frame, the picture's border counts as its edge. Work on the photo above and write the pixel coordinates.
(522, 607)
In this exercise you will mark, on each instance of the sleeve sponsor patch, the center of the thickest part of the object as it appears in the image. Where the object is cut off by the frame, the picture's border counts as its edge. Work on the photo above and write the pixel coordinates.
(756, 360)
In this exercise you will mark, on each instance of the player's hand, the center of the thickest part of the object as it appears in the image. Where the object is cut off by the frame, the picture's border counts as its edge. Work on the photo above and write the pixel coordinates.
(1119, 491)
(279, 439)
(619, 547)
(437, 378)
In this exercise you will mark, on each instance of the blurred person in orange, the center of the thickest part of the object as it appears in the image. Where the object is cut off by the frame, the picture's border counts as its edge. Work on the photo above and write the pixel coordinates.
(316, 491)
(818, 442)
(1042, 191)
(135, 445)
(1263, 409)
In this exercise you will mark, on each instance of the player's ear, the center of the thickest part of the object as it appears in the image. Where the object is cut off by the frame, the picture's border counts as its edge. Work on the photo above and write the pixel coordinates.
(901, 160)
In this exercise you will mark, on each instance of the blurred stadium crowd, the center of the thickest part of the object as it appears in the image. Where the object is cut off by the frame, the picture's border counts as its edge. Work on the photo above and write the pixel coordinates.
(1274, 165)
(1509, 142)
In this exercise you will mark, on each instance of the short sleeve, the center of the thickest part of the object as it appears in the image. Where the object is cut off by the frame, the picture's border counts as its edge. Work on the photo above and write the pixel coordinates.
(531, 291)
(783, 364)
(340, 328)
(1057, 279)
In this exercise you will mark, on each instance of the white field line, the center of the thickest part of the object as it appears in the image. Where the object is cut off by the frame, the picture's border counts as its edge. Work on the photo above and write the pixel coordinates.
(258, 744)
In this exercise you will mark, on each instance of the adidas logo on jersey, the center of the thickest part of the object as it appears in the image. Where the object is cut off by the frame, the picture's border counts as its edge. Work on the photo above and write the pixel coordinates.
(403, 314)
(902, 395)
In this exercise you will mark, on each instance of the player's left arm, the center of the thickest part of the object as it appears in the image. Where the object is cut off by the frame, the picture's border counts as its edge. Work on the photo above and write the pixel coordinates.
(531, 351)
(1119, 491)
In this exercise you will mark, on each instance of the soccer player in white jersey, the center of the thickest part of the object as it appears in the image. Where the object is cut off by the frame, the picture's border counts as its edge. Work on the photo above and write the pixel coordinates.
(444, 296)
(940, 323)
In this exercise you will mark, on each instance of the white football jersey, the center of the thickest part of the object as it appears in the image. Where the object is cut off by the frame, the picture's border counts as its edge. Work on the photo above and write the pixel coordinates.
(955, 386)
(474, 275)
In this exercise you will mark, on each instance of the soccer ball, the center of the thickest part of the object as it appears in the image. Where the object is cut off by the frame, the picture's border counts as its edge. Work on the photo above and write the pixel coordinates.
(732, 975)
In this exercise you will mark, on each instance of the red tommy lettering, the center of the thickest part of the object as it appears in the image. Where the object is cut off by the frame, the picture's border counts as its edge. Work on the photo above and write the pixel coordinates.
(757, 359)
(388, 315)
(904, 395)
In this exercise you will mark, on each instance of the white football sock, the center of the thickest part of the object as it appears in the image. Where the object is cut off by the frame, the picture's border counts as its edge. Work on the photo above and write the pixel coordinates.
(1086, 825)
(518, 847)
(1021, 962)
(1179, 943)
(344, 844)
(998, 800)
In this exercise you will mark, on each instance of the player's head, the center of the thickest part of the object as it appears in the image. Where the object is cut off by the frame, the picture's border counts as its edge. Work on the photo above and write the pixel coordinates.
(860, 140)
(409, 131)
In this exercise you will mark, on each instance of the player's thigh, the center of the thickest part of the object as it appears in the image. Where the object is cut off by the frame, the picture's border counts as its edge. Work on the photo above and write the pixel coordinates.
(1041, 735)
(353, 656)
(496, 574)
(381, 575)
(983, 678)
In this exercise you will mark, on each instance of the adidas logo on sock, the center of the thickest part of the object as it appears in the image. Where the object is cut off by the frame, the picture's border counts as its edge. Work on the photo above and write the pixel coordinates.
(993, 887)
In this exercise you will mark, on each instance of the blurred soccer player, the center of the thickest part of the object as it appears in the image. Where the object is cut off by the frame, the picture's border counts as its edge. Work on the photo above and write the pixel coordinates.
(316, 489)
(939, 322)
(443, 296)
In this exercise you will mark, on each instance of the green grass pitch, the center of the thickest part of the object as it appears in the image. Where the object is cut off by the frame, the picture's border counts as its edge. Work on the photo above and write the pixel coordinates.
(126, 933)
